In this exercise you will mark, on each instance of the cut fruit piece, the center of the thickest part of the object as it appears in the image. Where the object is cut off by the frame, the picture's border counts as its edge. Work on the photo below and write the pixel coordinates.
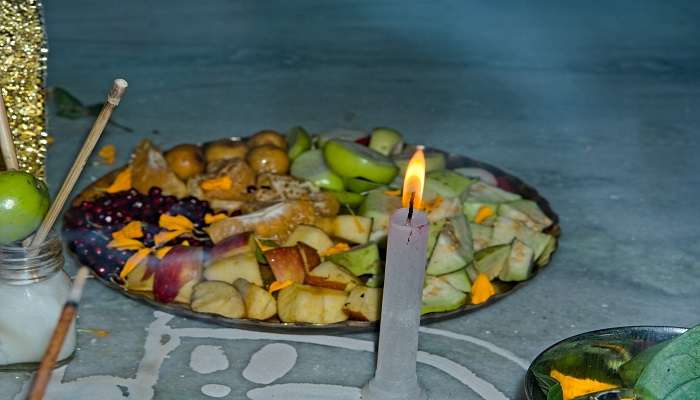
(492, 260)
(364, 304)
(259, 304)
(230, 269)
(311, 167)
(375, 281)
(439, 296)
(359, 185)
(481, 235)
(433, 161)
(309, 256)
(349, 199)
(332, 276)
(506, 229)
(527, 212)
(310, 304)
(352, 160)
(299, 142)
(351, 135)
(386, 141)
(141, 278)
(435, 229)
(478, 173)
(446, 183)
(458, 280)
(482, 192)
(178, 272)
(310, 235)
(220, 298)
(486, 213)
(447, 207)
(352, 228)
(519, 264)
(360, 260)
(149, 169)
(447, 255)
(231, 246)
(286, 263)
(275, 222)
(379, 206)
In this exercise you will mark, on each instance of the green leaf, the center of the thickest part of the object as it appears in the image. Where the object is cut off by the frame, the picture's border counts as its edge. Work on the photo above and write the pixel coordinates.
(632, 369)
(674, 372)
(549, 386)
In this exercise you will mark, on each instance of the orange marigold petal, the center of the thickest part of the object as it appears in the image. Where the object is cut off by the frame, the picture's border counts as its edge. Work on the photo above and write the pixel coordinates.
(134, 262)
(279, 285)
(210, 219)
(435, 204)
(124, 243)
(337, 248)
(175, 223)
(160, 253)
(482, 289)
(573, 387)
(108, 154)
(166, 236)
(220, 183)
(131, 231)
(122, 182)
(483, 213)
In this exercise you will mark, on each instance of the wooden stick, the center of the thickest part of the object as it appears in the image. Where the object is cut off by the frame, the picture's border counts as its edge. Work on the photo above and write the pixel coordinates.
(7, 145)
(70, 309)
(113, 98)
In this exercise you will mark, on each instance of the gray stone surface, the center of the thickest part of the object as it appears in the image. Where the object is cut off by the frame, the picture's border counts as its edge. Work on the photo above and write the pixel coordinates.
(595, 104)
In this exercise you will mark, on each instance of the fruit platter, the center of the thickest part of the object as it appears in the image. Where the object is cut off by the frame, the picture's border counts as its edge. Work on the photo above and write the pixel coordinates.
(288, 231)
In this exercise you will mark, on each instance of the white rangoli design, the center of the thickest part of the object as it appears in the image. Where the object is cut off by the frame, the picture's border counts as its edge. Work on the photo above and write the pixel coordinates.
(162, 340)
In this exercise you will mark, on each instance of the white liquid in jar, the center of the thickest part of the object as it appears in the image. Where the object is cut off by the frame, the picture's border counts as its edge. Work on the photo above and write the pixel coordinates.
(28, 316)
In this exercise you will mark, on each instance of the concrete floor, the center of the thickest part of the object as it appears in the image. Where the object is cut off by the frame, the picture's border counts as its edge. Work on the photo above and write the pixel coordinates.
(595, 104)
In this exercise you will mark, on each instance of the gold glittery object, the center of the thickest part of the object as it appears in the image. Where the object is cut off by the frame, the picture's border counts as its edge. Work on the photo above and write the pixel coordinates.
(22, 75)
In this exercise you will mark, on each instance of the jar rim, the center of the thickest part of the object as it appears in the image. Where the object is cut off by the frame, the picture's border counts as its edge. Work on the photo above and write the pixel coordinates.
(17, 246)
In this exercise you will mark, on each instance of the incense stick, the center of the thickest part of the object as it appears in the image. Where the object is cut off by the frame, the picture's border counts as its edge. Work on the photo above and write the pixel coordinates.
(70, 309)
(7, 145)
(93, 137)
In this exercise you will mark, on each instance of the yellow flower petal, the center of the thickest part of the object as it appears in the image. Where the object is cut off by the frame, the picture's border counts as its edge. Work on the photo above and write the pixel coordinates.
(435, 204)
(134, 262)
(210, 219)
(131, 231)
(573, 387)
(482, 289)
(122, 182)
(160, 253)
(279, 285)
(166, 236)
(337, 248)
(121, 242)
(175, 223)
(483, 213)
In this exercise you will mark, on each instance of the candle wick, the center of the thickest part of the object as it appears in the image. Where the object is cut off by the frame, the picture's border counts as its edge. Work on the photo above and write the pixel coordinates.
(410, 207)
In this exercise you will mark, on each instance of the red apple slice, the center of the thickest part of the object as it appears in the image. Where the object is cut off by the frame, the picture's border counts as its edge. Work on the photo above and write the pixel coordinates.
(179, 270)
(286, 263)
(236, 244)
(309, 256)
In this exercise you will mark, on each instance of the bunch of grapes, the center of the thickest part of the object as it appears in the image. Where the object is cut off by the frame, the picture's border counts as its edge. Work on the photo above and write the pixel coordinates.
(89, 226)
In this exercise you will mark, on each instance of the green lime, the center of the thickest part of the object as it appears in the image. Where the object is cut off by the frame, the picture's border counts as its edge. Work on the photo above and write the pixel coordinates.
(24, 200)
(311, 167)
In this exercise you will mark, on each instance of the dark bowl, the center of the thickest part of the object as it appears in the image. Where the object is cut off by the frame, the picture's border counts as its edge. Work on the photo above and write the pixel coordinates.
(631, 338)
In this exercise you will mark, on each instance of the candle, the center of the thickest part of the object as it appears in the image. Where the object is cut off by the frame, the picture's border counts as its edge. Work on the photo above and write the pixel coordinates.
(395, 376)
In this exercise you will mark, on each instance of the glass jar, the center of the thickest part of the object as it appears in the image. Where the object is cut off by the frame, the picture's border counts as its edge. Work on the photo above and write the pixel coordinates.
(33, 290)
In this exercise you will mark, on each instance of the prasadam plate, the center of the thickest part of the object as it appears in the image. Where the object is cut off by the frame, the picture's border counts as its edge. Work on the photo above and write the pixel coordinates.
(225, 214)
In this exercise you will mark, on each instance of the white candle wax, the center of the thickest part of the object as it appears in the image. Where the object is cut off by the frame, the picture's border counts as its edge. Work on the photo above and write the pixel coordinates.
(395, 377)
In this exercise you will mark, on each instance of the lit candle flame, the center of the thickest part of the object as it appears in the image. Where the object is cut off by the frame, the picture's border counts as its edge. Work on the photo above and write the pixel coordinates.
(414, 180)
